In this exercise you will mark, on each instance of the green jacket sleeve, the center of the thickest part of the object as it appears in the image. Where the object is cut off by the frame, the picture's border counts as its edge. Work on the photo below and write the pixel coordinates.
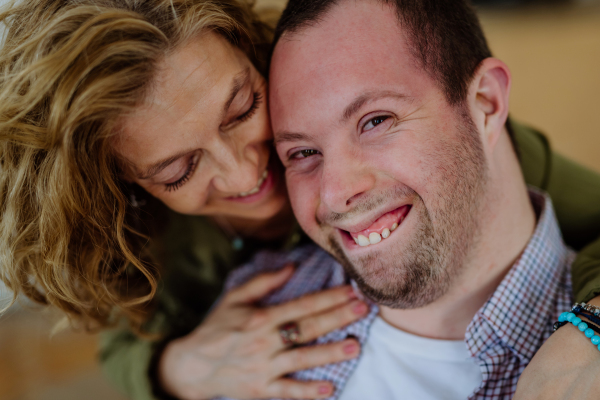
(575, 193)
(197, 258)
(125, 359)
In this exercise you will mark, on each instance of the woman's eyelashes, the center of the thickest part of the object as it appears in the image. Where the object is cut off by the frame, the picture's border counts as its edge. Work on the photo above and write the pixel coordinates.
(193, 163)
(257, 98)
(191, 167)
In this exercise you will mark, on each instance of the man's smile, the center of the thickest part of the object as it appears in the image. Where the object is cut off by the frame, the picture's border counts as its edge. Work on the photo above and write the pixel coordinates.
(381, 228)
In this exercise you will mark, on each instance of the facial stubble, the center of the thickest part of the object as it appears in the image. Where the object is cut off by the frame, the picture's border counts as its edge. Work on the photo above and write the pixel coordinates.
(435, 254)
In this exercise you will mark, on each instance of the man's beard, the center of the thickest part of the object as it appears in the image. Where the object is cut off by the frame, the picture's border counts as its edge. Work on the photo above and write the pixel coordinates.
(424, 269)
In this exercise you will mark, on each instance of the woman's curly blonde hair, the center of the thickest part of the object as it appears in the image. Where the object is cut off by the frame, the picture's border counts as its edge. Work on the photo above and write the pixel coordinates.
(69, 69)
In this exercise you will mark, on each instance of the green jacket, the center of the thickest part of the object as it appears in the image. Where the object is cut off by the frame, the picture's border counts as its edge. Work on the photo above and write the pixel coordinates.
(198, 257)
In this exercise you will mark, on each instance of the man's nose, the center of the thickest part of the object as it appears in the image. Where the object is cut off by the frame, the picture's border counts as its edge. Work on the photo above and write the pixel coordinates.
(236, 167)
(345, 178)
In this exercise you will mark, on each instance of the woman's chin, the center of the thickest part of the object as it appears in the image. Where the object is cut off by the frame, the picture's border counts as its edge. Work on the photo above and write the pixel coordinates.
(268, 202)
(277, 204)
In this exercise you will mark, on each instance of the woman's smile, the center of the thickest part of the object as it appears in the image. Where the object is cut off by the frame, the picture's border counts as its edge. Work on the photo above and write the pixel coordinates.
(206, 126)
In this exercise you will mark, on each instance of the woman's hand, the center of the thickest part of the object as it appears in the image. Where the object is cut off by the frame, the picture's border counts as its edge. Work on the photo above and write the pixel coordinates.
(238, 352)
(567, 366)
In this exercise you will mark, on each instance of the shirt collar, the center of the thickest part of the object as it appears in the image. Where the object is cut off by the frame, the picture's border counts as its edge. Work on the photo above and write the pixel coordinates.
(526, 296)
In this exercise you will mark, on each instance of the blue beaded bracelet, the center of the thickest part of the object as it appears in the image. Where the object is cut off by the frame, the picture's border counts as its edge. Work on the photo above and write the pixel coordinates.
(578, 310)
(582, 326)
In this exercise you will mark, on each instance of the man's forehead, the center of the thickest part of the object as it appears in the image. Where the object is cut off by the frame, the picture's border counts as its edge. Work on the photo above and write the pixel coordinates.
(347, 27)
(357, 47)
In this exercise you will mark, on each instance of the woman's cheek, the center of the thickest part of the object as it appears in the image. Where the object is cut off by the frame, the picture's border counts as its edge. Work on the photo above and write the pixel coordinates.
(185, 200)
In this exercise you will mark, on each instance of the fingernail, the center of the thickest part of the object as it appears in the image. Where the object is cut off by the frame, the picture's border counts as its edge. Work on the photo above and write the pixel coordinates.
(359, 309)
(324, 389)
(351, 293)
(350, 348)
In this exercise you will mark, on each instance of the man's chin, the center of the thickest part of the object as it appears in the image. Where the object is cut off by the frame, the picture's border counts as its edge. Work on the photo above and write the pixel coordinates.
(405, 279)
(400, 295)
(402, 291)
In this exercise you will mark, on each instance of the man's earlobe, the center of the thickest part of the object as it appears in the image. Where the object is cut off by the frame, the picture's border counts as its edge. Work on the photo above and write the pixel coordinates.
(489, 96)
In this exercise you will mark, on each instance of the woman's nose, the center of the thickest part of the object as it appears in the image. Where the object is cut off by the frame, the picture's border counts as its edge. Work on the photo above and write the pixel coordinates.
(237, 168)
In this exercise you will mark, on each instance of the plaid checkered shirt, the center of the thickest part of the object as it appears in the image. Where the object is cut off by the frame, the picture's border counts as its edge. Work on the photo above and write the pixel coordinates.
(502, 337)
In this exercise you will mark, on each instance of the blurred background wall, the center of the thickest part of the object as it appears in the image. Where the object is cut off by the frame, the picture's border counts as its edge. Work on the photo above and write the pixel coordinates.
(554, 56)
(553, 51)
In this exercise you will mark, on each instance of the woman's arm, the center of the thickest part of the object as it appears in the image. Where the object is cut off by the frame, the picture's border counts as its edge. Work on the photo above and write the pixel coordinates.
(125, 359)
(198, 263)
(575, 193)
(567, 366)
(237, 351)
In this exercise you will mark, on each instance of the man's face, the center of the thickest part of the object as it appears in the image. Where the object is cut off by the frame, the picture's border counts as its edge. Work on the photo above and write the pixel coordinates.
(381, 170)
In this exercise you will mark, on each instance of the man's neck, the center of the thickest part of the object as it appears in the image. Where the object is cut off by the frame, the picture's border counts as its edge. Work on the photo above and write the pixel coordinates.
(508, 222)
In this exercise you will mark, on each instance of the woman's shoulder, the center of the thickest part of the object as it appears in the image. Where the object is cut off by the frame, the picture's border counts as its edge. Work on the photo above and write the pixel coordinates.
(194, 237)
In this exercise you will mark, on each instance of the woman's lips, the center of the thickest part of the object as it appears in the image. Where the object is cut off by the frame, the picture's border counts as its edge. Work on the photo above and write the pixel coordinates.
(258, 193)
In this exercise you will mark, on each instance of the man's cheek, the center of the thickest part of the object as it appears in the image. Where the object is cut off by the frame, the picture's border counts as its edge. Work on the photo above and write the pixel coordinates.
(304, 200)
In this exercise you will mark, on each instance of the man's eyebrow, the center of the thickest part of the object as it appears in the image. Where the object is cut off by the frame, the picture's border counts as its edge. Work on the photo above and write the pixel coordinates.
(239, 81)
(160, 165)
(286, 136)
(349, 111)
(368, 97)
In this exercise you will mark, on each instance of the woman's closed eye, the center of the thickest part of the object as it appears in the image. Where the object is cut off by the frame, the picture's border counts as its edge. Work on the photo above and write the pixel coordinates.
(257, 100)
(187, 174)
(250, 109)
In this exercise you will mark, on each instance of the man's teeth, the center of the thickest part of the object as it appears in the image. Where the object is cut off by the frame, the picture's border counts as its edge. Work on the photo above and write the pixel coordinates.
(362, 241)
(255, 189)
(375, 237)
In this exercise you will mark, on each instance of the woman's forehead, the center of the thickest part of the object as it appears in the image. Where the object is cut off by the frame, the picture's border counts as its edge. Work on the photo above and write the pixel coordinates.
(202, 64)
(185, 102)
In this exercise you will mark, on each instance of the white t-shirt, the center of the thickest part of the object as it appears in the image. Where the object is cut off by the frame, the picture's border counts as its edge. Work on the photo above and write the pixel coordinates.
(398, 365)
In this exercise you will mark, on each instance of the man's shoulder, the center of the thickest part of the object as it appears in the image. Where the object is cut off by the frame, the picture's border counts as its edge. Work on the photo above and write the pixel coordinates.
(315, 270)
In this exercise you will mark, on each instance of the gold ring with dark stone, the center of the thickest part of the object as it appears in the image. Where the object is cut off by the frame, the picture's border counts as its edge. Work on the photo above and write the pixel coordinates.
(289, 333)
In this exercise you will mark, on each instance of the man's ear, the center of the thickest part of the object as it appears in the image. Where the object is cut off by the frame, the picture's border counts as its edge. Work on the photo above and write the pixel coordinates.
(488, 99)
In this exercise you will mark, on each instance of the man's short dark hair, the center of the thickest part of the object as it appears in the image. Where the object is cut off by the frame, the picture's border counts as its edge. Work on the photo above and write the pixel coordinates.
(444, 36)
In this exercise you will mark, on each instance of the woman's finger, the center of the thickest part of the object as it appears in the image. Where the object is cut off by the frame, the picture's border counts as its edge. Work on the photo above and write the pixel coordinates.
(291, 389)
(311, 304)
(258, 287)
(314, 356)
(318, 325)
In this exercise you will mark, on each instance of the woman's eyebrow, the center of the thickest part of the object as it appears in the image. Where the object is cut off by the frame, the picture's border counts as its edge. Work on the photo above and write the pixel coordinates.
(239, 81)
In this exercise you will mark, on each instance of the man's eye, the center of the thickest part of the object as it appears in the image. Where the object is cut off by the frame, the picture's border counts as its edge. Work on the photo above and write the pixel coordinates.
(304, 153)
(373, 122)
